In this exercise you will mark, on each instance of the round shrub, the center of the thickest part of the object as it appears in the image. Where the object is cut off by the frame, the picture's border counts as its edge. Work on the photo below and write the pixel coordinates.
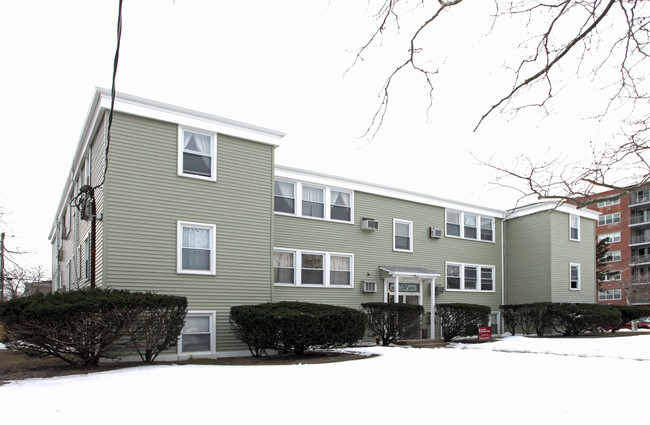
(459, 319)
(296, 326)
(86, 325)
(576, 318)
(393, 321)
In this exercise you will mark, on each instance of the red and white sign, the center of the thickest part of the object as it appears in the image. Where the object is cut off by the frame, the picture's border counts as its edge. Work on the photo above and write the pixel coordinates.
(485, 334)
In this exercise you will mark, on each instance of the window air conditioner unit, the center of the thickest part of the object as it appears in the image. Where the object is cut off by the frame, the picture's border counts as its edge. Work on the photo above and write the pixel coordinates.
(369, 224)
(369, 286)
(439, 290)
(435, 233)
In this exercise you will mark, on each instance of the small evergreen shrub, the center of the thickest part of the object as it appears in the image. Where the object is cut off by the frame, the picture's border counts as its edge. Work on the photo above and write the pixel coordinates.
(527, 318)
(460, 319)
(393, 321)
(296, 326)
(575, 318)
(86, 325)
(629, 313)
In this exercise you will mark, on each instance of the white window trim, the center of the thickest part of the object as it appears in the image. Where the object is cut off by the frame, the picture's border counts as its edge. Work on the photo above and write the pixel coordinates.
(499, 326)
(327, 207)
(608, 203)
(478, 277)
(478, 226)
(410, 224)
(571, 266)
(609, 278)
(571, 218)
(213, 159)
(297, 268)
(213, 326)
(610, 257)
(614, 294)
(179, 247)
(612, 215)
(613, 237)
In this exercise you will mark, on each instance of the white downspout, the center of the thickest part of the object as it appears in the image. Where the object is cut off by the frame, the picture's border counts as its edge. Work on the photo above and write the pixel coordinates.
(503, 264)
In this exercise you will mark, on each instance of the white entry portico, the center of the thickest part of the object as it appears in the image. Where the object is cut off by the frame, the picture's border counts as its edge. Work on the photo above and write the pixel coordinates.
(406, 285)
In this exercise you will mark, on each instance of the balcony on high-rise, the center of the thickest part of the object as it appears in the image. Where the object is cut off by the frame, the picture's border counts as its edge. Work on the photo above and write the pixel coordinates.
(641, 197)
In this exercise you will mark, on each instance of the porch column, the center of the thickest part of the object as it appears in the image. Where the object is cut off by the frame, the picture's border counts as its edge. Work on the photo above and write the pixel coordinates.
(433, 308)
(396, 291)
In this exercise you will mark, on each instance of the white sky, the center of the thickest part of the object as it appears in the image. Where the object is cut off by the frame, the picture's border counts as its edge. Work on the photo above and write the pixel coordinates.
(277, 64)
(519, 380)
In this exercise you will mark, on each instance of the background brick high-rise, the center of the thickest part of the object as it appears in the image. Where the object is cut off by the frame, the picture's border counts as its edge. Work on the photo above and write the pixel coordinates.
(626, 222)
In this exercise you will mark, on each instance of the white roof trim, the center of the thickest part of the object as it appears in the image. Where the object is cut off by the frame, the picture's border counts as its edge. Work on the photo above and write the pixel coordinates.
(551, 206)
(343, 183)
(160, 111)
(165, 112)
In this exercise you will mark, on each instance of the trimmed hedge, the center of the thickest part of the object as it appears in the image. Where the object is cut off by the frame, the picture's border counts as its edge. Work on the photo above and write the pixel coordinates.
(574, 319)
(459, 319)
(629, 313)
(393, 321)
(296, 326)
(89, 324)
(565, 318)
(528, 318)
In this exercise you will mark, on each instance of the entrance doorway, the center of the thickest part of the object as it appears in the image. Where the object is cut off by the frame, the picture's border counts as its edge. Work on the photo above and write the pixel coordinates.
(409, 292)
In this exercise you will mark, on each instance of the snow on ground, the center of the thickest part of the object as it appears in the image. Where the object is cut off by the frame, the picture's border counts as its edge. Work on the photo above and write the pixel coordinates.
(515, 381)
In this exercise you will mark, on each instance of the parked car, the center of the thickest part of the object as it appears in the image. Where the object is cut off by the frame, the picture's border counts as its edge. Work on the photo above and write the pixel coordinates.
(643, 323)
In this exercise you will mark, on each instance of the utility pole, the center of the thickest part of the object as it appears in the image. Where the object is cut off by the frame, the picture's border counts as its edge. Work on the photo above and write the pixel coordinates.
(2, 266)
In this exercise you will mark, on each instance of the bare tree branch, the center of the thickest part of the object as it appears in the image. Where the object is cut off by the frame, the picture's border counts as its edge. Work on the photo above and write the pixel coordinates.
(589, 37)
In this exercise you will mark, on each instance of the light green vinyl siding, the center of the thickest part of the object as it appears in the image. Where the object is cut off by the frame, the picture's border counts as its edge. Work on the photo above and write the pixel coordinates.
(564, 252)
(374, 249)
(528, 258)
(145, 198)
(539, 254)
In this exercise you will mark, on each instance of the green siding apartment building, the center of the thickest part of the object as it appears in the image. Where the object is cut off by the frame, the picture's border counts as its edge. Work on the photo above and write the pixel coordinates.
(193, 204)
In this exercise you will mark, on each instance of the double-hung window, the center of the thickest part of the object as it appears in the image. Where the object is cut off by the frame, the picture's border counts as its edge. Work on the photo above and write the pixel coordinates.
(402, 235)
(487, 229)
(459, 224)
(487, 279)
(197, 154)
(285, 197)
(284, 267)
(613, 237)
(574, 227)
(612, 256)
(574, 276)
(197, 336)
(313, 201)
(340, 269)
(310, 268)
(609, 219)
(470, 277)
(609, 294)
(196, 248)
(470, 226)
(340, 206)
(453, 223)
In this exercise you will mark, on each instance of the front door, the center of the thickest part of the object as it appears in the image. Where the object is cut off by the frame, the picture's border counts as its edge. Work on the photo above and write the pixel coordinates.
(410, 292)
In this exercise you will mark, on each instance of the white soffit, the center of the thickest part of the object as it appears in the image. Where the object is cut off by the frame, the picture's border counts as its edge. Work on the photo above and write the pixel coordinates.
(289, 173)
